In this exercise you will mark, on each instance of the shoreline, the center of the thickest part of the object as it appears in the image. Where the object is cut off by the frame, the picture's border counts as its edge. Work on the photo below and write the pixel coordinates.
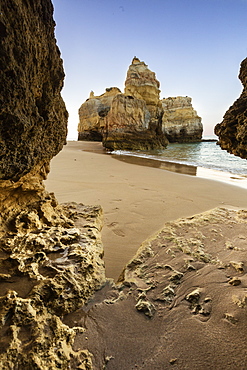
(136, 200)
(186, 169)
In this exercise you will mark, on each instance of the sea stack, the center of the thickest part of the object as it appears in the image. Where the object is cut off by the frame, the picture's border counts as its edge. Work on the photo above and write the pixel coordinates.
(138, 119)
(131, 121)
(180, 121)
(232, 131)
(92, 114)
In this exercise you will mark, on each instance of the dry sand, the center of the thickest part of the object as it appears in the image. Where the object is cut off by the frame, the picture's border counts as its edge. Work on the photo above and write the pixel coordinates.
(137, 200)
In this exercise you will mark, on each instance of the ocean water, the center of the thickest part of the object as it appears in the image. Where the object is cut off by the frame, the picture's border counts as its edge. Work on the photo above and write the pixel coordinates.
(202, 155)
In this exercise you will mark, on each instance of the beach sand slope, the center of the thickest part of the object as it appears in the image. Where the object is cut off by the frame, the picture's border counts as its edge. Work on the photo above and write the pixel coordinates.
(136, 200)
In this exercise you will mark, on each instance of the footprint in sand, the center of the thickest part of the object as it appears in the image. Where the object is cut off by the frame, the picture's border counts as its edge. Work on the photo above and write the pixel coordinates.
(115, 229)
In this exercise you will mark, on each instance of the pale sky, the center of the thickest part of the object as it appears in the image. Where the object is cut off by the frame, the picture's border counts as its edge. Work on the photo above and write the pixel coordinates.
(195, 47)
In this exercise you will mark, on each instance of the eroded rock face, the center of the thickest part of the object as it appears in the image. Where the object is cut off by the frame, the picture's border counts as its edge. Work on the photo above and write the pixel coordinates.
(128, 126)
(33, 118)
(180, 122)
(126, 121)
(232, 131)
(50, 255)
(48, 268)
(92, 114)
(142, 83)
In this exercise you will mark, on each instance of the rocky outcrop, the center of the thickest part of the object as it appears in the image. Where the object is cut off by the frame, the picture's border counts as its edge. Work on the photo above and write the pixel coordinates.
(47, 270)
(126, 121)
(92, 114)
(128, 126)
(138, 119)
(180, 122)
(50, 255)
(232, 131)
(141, 83)
(33, 118)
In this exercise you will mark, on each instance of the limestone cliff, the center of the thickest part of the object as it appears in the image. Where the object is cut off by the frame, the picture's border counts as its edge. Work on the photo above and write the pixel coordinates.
(92, 114)
(50, 255)
(232, 131)
(126, 121)
(180, 122)
(142, 83)
(33, 118)
(128, 126)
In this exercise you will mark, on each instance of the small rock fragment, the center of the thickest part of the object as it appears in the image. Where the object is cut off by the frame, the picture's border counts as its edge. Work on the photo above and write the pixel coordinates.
(194, 296)
(239, 266)
(146, 307)
(173, 361)
(234, 281)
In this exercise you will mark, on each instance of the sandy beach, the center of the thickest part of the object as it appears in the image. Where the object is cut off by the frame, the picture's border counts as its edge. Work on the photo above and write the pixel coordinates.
(136, 200)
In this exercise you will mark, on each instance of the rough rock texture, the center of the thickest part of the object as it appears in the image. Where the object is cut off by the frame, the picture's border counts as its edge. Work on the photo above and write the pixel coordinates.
(180, 122)
(33, 118)
(128, 126)
(138, 119)
(181, 302)
(232, 131)
(126, 121)
(92, 114)
(142, 83)
(47, 269)
(50, 256)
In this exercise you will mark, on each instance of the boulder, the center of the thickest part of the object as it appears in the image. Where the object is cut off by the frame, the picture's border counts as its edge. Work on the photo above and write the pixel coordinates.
(232, 131)
(180, 122)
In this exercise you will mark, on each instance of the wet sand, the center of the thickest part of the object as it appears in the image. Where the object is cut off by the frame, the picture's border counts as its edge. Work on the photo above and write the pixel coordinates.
(136, 199)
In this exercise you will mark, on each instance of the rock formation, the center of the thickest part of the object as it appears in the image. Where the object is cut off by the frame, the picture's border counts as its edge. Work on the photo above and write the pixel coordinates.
(51, 255)
(232, 131)
(180, 122)
(141, 83)
(138, 119)
(129, 126)
(92, 114)
(126, 121)
(32, 113)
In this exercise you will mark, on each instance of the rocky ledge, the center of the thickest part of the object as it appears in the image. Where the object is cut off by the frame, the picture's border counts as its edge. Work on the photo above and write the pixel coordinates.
(232, 131)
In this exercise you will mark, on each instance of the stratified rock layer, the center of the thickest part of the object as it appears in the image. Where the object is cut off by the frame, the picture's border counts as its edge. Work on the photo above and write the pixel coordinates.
(232, 131)
(180, 122)
(33, 118)
(142, 83)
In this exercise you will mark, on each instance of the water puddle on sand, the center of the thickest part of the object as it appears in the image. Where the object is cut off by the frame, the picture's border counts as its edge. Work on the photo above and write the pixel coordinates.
(206, 173)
